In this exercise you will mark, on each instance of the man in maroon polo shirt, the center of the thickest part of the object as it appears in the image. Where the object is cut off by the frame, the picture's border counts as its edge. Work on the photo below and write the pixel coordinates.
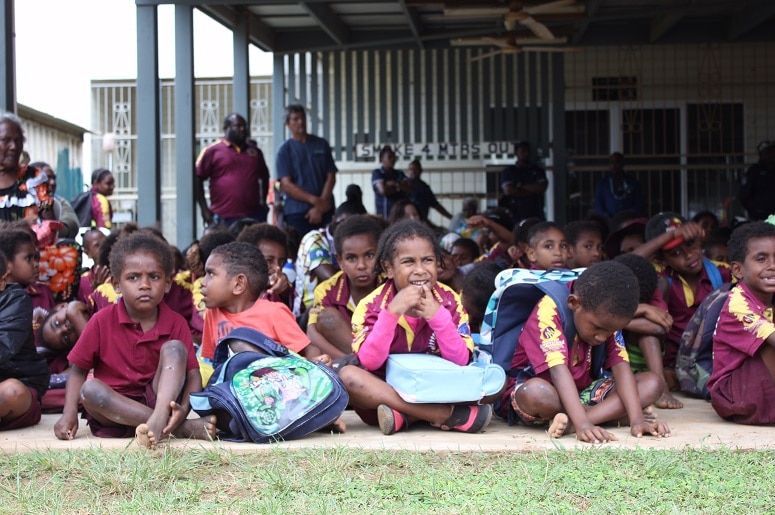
(238, 176)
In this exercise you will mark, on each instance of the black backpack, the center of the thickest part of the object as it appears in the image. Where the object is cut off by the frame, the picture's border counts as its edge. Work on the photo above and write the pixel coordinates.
(268, 397)
(82, 207)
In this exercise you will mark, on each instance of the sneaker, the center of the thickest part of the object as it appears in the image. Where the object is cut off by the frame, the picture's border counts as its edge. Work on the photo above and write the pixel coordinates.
(390, 420)
(469, 419)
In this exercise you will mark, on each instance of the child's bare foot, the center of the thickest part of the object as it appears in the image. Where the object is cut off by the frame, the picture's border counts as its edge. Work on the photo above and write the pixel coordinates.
(145, 436)
(671, 378)
(667, 401)
(339, 426)
(197, 428)
(558, 426)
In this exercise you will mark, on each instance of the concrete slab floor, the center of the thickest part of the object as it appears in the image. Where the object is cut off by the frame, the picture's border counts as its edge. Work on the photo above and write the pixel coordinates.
(696, 426)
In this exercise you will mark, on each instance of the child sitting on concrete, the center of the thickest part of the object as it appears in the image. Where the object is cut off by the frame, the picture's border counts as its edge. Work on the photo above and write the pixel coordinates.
(556, 380)
(585, 244)
(742, 385)
(23, 373)
(142, 355)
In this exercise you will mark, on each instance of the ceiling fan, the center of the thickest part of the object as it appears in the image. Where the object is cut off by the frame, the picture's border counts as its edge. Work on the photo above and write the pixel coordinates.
(518, 14)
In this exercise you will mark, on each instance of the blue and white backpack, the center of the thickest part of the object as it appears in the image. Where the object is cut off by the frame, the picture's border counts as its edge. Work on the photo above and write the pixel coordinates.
(269, 397)
(517, 291)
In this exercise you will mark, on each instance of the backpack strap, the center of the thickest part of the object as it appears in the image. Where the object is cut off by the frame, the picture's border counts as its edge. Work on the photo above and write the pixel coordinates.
(713, 273)
(247, 334)
(559, 294)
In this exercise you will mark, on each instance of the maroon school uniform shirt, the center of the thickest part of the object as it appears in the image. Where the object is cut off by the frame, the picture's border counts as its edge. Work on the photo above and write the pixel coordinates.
(377, 332)
(334, 292)
(179, 299)
(744, 323)
(682, 303)
(121, 354)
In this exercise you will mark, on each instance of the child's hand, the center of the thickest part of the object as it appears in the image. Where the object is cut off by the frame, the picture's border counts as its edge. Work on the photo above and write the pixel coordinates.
(101, 274)
(278, 284)
(428, 304)
(406, 300)
(659, 317)
(324, 359)
(477, 221)
(658, 429)
(594, 434)
(690, 231)
(66, 427)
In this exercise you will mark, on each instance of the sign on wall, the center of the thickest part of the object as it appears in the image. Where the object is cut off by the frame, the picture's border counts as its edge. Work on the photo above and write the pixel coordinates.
(470, 150)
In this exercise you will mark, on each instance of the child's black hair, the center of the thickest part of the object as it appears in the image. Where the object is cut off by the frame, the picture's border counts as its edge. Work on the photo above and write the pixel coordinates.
(521, 230)
(541, 228)
(718, 237)
(240, 225)
(3, 265)
(574, 230)
(479, 284)
(103, 258)
(11, 240)
(353, 226)
(199, 251)
(608, 288)
(240, 257)
(737, 248)
(645, 273)
(398, 232)
(256, 233)
(398, 211)
(706, 214)
(140, 242)
(470, 245)
(354, 203)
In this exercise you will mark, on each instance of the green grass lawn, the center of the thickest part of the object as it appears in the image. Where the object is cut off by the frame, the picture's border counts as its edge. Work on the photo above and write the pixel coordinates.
(345, 480)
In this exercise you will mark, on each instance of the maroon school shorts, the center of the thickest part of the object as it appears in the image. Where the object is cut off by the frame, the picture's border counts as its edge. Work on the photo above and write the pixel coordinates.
(118, 431)
(29, 418)
(747, 395)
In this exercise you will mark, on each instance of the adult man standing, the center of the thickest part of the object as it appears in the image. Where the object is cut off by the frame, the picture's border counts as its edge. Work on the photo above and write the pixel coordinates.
(758, 184)
(618, 191)
(524, 184)
(307, 174)
(238, 176)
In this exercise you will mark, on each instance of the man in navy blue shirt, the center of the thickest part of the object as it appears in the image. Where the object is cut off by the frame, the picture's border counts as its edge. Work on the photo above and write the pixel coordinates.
(307, 174)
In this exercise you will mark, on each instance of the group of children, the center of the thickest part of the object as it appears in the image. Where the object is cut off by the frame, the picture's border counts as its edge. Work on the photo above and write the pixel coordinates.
(130, 365)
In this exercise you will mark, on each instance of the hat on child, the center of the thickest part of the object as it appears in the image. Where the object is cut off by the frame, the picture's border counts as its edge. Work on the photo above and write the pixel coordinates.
(666, 221)
(764, 145)
(614, 241)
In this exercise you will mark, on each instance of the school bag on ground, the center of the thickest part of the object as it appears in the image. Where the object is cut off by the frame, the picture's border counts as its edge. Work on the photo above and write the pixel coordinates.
(517, 291)
(694, 362)
(269, 397)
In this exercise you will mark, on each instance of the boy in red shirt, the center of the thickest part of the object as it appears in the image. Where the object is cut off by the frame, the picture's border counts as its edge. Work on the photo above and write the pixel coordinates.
(742, 385)
(142, 355)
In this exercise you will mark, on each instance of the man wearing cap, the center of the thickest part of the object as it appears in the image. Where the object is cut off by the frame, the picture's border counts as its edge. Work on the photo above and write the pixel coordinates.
(523, 184)
(756, 192)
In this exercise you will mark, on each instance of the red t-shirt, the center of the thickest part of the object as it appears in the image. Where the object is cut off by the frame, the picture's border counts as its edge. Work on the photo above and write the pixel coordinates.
(239, 178)
(743, 324)
(121, 354)
(274, 319)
